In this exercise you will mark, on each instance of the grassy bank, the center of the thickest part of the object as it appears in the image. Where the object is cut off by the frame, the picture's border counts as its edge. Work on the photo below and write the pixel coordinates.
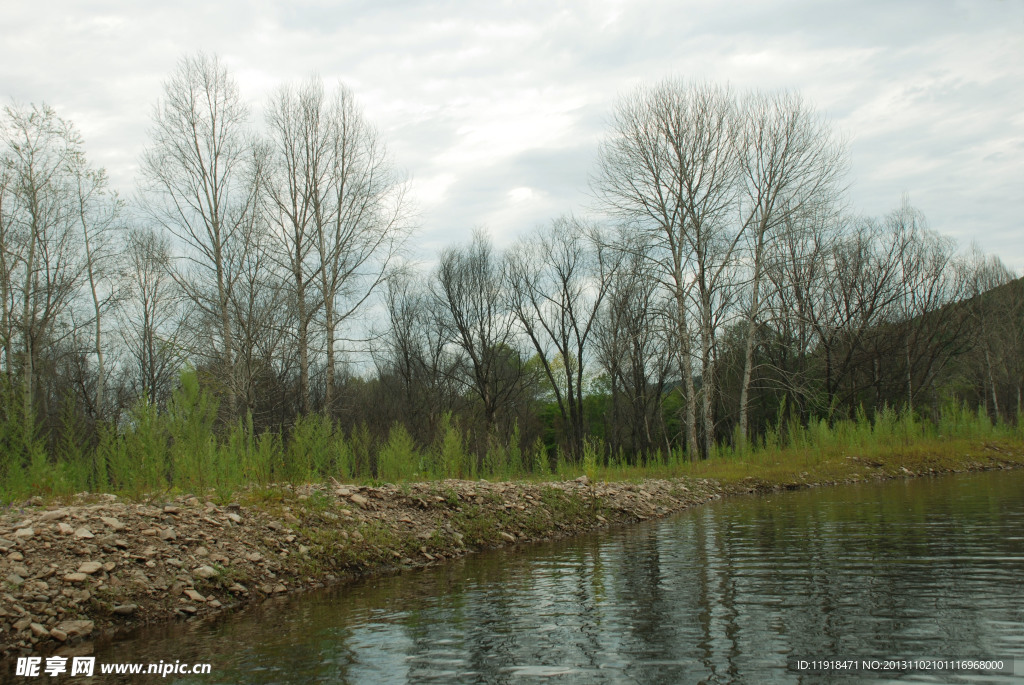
(96, 564)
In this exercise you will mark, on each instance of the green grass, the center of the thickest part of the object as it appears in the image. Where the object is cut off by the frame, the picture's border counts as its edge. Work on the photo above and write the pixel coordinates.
(154, 454)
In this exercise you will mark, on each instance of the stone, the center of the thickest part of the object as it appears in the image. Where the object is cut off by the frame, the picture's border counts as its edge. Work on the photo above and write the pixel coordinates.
(205, 572)
(109, 566)
(84, 533)
(254, 557)
(90, 567)
(507, 537)
(75, 628)
(125, 609)
(214, 603)
(16, 556)
(202, 552)
(15, 579)
(75, 577)
(170, 509)
(112, 523)
(167, 534)
(55, 515)
(58, 634)
(64, 529)
(356, 498)
(194, 596)
(38, 629)
(6, 544)
(234, 517)
(24, 533)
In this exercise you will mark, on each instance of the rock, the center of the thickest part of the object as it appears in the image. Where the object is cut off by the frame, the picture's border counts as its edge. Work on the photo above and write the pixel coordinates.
(290, 518)
(15, 579)
(55, 515)
(75, 628)
(254, 557)
(109, 566)
(24, 533)
(356, 498)
(90, 567)
(125, 609)
(234, 517)
(235, 506)
(238, 588)
(170, 509)
(84, 533)
(6, 544)
(16, 556)
(167, 534)
(112, 523)
(275, 525)
(38, 629)
(202, 552)
(214, 603)
(583, 480)
(75, 577)
(22, 624)
(176, 563)
(188, 609)
(205, 572)
(194, 596)
(58, 634)
(64, 529)
(507, 537)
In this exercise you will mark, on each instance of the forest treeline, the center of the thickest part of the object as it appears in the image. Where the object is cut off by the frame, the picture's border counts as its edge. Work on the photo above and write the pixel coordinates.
(255, 285)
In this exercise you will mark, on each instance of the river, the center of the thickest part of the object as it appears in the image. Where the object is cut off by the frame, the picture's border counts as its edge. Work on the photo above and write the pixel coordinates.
(739, 590)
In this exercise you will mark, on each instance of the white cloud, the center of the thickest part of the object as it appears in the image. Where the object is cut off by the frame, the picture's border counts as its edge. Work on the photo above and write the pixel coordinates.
(481, 100)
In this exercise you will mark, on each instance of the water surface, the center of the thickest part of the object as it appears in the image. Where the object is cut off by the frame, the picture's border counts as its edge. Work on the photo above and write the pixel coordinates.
(733, 591)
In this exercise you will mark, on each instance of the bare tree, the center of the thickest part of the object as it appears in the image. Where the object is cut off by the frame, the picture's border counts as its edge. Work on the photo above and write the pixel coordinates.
(150, 315)
(300, 142)
(670, 167)
(361, 219)
(557, 280)
(790, 165)
(98, 211)
(200, 184)
(414, 351)
(634, 347)
(989, 313)
(42, 259)
(469, 292)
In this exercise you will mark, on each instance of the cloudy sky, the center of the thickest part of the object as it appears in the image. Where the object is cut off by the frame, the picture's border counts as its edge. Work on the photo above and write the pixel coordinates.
(495, 109)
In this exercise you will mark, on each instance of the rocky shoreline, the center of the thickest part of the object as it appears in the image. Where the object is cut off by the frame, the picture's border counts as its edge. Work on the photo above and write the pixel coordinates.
(101, 566)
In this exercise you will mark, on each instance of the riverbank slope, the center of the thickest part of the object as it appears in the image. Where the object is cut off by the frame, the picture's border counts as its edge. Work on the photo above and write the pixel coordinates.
(98, 565)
